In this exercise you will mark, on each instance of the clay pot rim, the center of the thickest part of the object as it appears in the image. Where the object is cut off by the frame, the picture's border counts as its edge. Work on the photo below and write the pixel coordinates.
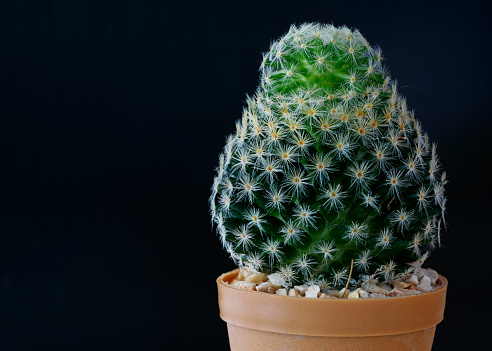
(329, 317)
(443, 285)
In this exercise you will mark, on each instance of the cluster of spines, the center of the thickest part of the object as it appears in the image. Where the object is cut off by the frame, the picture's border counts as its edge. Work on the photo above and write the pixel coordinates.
(327, 165)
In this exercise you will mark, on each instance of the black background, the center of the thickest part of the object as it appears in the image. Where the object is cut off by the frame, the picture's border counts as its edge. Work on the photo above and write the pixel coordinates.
(112, 118)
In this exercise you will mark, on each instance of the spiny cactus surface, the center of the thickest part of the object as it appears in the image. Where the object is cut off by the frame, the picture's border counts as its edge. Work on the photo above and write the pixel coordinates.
(328, 165)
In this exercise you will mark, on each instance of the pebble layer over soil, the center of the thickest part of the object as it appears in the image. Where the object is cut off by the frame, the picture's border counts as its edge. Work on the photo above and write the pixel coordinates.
(421, 281)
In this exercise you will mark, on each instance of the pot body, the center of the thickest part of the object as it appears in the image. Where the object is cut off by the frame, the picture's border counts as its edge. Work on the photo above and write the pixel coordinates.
(245, 339)
(267, 321)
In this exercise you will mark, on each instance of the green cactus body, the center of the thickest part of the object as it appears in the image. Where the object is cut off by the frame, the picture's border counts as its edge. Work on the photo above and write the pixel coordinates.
(328, 165)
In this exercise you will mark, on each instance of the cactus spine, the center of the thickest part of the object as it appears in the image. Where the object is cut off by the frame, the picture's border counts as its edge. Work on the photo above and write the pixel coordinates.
(328, 165)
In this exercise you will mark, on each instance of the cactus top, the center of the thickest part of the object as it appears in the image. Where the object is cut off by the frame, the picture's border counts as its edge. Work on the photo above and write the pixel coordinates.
(328, 165)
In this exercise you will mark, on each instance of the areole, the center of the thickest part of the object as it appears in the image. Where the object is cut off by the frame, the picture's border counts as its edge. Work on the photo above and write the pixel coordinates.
(259, 320)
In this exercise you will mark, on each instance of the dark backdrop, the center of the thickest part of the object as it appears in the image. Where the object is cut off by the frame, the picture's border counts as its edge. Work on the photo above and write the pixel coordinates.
(112, 117)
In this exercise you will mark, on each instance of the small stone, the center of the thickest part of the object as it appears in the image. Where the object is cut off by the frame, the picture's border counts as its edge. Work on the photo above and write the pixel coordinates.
(245, 272)
(242, 285)
(333, 293)
(354, 294)
(343, 294)
(325, 296)
(395, 293)
(377, 296)
(412, 286)
(425, 280)
(409, 292)
(419, 272)
(424, 287)
(276, 279)
(294, 292)
(413, 279)
(363, 294)
(302, 289)
(257, 278)
(241, 275)
(312, 292)
(385, 286)
(432, 274)
(267, 287)
(282, 292)
(402, 284)
(373, 288)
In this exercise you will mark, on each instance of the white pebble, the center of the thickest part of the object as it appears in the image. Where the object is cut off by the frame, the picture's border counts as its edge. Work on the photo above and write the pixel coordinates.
(409, 292)
(425, 280)
(244, 285)
(343, 293)
(294, 292)
(395, 292)
(301, 288)
(245, 272)
(313, 291)
(424, 287)
(282, 292)
(402, 285)
(276, 279)
(354, 294)
(385, 286)
(333, 293)
(242, 273)
(377, 296)
(413, 279)
(267, 287)
(325, 296)
(363, 294)
(373, 288)
(257, 278)
(419, 272)
(432, 274)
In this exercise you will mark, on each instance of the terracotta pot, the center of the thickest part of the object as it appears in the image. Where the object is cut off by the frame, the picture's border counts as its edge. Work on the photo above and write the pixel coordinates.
(262, 321)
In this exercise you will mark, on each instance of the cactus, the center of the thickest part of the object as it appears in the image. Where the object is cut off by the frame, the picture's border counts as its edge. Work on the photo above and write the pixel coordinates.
(328, 167)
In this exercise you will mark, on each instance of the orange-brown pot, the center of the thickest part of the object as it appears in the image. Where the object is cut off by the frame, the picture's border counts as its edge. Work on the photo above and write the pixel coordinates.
(262, 321)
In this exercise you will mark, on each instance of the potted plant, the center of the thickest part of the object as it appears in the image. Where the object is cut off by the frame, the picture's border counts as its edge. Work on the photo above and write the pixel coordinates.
(329, 198)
